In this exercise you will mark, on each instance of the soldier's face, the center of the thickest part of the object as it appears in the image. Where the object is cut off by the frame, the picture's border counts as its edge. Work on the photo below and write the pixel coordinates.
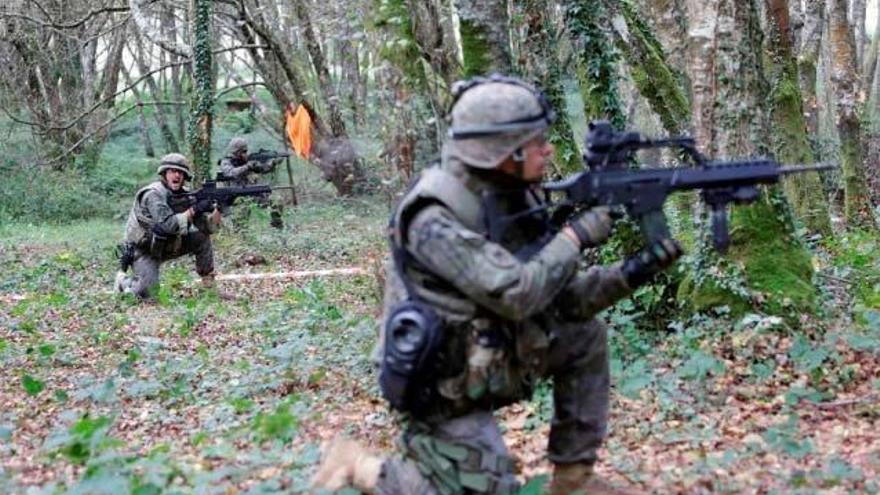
(537, 154)
(174, 179)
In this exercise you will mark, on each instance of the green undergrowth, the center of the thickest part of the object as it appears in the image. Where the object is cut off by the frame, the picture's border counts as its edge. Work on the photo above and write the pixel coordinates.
(219, 392)
(762, 270)
(855, 262)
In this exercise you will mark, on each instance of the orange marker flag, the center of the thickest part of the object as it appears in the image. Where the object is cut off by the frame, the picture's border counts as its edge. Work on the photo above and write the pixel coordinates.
(299, 130)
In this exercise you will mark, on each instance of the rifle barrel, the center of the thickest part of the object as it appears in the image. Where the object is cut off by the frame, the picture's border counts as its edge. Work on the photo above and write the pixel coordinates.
(793, 169)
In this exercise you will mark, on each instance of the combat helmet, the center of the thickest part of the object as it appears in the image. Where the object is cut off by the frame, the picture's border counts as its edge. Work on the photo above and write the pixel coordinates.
(494, 116)
(236, 144)
(175, 161)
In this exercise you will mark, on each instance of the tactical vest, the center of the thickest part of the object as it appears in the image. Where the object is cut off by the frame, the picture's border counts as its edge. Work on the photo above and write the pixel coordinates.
(139, 223)
(482, 355)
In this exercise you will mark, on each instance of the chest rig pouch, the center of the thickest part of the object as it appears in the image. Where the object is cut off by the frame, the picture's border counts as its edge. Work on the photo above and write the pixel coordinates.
(413, 332)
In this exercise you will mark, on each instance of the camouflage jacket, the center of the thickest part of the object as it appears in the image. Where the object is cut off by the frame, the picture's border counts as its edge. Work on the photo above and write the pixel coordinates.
(477, 285)
(242, 173)
(151, 208)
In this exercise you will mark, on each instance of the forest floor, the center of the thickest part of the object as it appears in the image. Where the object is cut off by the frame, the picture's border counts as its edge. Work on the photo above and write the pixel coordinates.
(191, 394)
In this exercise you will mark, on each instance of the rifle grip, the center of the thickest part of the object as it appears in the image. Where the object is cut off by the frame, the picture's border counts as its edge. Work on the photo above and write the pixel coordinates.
(653, 226)
(720, 234)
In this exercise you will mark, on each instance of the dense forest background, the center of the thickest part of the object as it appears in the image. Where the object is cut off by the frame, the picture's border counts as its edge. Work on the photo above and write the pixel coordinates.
(755, 371)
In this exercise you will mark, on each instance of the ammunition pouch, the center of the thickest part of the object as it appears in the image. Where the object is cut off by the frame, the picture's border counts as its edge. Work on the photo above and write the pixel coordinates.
(456, 469)
(157, 242)
(412, 335)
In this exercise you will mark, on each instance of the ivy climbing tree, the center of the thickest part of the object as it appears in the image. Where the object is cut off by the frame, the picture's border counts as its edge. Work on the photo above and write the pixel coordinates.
(202, 114)
(597, 60)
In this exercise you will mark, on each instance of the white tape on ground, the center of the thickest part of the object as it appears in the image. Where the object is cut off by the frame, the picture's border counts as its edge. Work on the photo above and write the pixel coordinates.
(236, 277)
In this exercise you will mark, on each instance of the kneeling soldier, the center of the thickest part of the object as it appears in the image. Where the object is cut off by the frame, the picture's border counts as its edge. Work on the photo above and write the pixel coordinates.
(240, 171)
(154, 233)
(487, 296)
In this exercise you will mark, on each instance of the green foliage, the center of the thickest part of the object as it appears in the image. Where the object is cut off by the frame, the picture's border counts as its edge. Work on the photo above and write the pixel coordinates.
(49, 197)
(86, 439)
(598, 61)
(475, 49)
(855, 259)
(654, 78)
(200, 125)
(279, 425)
(31, 385)
(765, 265)
(402, 49)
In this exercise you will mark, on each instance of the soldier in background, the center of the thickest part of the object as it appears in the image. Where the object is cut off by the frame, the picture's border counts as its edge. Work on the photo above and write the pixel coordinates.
(238, 170)
(474, 315)
(154, 233)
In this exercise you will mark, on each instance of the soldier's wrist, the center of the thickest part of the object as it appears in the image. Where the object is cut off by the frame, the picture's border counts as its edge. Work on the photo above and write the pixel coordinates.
(572, 236)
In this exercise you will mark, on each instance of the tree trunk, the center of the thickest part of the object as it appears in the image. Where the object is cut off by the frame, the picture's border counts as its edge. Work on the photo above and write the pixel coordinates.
(337, 125)
(845, 83)
(790, 143)
(655, 79)
(540, 63)
(142, 119)
(857, 17)
(597, 61)
(171, 144)
(169, 26)
(765, 264)
(202, 112)
(808, 62)
(485, 38)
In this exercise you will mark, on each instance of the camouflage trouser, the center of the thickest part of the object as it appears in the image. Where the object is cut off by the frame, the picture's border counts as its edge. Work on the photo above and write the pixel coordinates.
(578, 364)
(145, 269)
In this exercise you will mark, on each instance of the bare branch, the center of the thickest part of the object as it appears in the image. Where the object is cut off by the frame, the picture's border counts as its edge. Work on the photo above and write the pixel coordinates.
(61, 25)
(103, 126)
(239, 86)
(152, 34)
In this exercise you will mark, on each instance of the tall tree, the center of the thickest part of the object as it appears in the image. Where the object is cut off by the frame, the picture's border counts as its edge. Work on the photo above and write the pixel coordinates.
(808, 61)
(485, 36)
(845, 82)
(858, 12)
(597, 59)
(202, 116)
(789, 138)
(540, 63)
(730, 120)
(161, 116)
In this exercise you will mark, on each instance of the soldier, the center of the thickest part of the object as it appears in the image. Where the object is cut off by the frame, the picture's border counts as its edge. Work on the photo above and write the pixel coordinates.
(155, 234)
(241, 172)
(484, 298)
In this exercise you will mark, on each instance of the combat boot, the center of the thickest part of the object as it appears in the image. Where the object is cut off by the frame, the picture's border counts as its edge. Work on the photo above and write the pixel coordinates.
(122, 283)
(579, 478)
(346, 463)
(210, 283)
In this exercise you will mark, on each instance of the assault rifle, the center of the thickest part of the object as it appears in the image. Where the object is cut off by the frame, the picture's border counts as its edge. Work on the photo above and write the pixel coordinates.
(217, 196)
(609, 181)
(264, 155)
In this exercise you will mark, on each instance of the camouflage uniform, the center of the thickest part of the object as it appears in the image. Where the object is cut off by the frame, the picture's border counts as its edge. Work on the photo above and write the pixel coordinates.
(150, 213)
(507, 322)
(242, 172)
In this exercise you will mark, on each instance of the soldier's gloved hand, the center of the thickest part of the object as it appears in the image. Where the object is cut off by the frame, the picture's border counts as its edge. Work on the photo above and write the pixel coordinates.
(641, 268)
(593, 226)
(203, 206)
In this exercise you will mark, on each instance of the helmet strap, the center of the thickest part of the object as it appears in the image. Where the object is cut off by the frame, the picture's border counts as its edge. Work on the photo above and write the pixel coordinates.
(519, 160)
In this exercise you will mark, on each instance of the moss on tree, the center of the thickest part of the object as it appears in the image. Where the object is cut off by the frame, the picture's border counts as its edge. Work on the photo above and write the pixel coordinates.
(475, 50)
